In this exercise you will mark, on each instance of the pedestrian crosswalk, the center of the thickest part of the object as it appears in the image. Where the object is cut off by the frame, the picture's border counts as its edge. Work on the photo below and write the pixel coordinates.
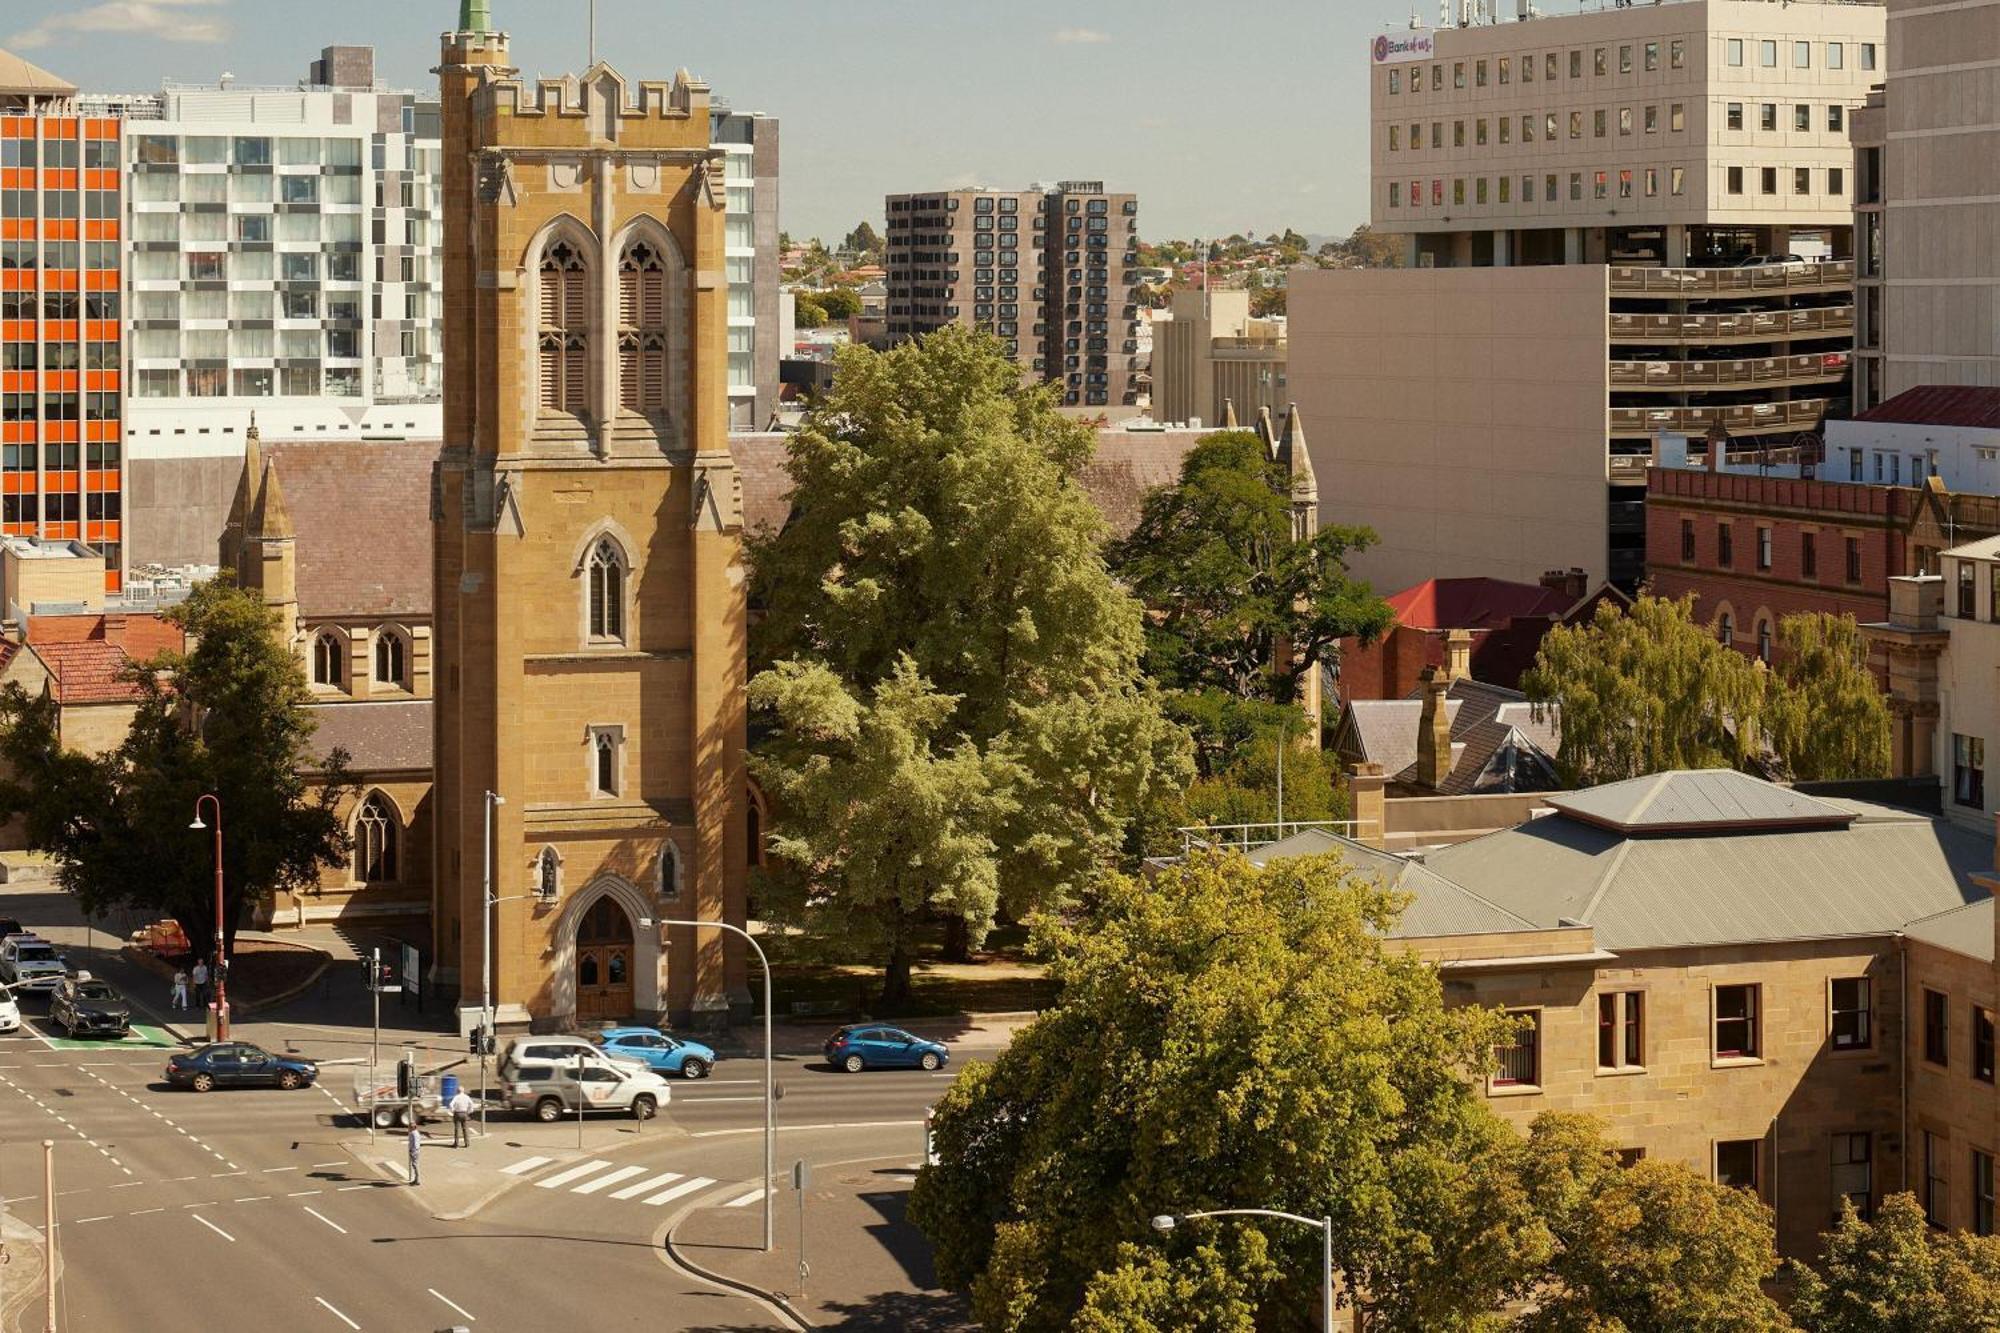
(597, 1176)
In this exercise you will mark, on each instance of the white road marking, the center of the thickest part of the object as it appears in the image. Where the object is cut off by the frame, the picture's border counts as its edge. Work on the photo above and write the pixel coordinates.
(345, 1188)
(303, 1194)
(321, 1166)
(143, 1211)
(685, 1187)
(82, 1220)
(272, 1170)
(128, 1184)
(338, 1315)
(324, 1218)
(608, 1179)
(216, 1229)
(746, 1200)
(453, 1304)
(525, 1165)
(561, 1178)
(254, 1198)
(647, 1186)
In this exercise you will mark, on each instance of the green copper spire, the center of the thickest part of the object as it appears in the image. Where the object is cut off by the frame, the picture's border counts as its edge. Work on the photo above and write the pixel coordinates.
(475, 15)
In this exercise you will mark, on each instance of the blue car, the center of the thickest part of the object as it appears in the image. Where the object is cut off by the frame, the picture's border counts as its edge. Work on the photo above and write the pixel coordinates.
(872, 1046)
(657, 1051)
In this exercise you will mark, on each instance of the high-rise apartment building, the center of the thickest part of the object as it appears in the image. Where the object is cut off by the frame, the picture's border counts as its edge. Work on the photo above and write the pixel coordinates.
(1927, 204)
(60, 472)
(1618, 223)
(1049, 270)
(749, 144)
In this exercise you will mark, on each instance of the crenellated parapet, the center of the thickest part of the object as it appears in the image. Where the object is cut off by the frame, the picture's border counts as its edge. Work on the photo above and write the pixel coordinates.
(602, 93)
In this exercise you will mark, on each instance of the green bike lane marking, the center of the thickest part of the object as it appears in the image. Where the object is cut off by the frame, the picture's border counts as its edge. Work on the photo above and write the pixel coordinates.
(142, 1037)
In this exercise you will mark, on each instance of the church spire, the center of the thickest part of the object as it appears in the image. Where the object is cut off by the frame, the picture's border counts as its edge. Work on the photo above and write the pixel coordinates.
(475, 15)
(273, 519)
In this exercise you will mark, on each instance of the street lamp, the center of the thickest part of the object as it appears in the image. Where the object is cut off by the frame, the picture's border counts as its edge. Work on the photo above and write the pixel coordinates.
(221, 967)
(1166, 1222)
(770, 1102)
(487, 903)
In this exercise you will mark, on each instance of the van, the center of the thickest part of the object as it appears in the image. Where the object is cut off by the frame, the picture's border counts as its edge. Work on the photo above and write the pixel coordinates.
(552, 1089)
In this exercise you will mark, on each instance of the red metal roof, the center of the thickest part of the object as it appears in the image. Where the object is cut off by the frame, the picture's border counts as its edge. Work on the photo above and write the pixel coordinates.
(1474, 603)
(1940, 405)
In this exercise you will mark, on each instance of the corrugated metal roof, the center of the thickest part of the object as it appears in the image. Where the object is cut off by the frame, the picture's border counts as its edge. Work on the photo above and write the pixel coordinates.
(1940, 405)
(1967, 930)
(1696, 798)
(1437, 906)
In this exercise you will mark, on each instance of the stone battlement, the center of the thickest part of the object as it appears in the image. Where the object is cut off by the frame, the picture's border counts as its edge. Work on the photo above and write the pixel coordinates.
(602, 88)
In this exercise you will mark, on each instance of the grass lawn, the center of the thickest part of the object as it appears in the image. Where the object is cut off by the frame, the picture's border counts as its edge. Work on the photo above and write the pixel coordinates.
(998, 980)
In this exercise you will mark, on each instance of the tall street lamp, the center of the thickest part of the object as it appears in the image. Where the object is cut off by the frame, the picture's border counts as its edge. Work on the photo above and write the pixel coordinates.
(221, 967)
(1166, 1222)
(487, 903)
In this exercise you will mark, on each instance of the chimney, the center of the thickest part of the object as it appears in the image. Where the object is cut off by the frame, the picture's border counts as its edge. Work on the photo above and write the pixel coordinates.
(1571, 583)
(1365, 785)
(1458, 655)
(1434, 732)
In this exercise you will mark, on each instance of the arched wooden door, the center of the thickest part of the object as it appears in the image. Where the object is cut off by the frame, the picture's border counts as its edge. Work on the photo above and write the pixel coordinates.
(604, 964)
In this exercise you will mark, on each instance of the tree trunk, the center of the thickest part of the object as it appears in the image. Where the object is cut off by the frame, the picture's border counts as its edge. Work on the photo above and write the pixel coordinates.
(896, 977)
(957, 940)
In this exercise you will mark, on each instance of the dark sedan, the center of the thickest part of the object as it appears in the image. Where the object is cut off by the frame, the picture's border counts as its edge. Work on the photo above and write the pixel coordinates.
(238, 1064)
(87, 1007)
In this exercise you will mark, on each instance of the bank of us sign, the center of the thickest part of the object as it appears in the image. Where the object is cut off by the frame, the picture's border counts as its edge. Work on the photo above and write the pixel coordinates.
(1411, 46)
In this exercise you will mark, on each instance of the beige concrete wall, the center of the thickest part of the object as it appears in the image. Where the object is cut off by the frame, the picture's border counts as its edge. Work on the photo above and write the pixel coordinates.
(1968, 703)
(65, 579)
(1460, 413)
(175, 508)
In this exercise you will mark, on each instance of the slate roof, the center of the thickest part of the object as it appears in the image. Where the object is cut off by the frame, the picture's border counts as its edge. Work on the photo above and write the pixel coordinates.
(1496, 742)
(1711, 798)
(1473, 603)
(379, 736)
(1940, 405)
(1437, 906)
(361, 510)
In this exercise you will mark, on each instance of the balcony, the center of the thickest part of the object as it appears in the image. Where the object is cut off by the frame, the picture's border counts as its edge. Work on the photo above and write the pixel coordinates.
(1738, 419)
(1627, 469)
(1817, 368)
(1760, 326)
(1765, 279)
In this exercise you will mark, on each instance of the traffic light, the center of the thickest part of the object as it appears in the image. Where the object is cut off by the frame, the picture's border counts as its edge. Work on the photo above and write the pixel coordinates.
(406, 1079)
(475, 1042)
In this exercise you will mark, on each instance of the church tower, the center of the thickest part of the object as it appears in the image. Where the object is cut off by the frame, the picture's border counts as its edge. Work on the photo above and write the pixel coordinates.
(1288, 450)
(590, 595)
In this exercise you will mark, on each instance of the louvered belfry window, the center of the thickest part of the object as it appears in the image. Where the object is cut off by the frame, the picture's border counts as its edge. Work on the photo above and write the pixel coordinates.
(642, 328)
(565, 329)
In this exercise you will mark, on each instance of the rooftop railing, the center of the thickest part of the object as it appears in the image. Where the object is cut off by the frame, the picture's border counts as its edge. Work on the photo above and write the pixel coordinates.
(1813, 367)
(1737, 418)
(1759, 278)
(1758, 324)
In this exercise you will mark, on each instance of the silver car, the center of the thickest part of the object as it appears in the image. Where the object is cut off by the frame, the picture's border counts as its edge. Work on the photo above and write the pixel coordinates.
(552, 1090)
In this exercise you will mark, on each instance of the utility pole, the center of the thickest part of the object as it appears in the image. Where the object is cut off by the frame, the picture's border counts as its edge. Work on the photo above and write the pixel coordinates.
(375, 994)
(49, 1228)
(487, 902)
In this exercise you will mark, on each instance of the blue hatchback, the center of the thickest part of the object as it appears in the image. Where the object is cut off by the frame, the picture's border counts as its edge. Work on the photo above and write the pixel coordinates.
(659, 1052)
(875, 1046)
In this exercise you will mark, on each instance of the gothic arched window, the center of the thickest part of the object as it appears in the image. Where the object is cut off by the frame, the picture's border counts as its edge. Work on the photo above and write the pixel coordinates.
(642, 328)
(1764, 641)
(604, 763)
(327, 655)
(391, 659)
(565, 328)
(605, 576)
(375, 842)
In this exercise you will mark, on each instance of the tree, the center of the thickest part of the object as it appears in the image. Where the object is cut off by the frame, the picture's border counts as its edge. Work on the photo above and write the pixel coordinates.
(1647, 1246)
(1828, 718)
(1368, 248)
(864, 240)
(940, 529)
(1230, 1036)
(1214, 558)
(228, 716)
(1898, 1275)
(807, 312)
(839, 303)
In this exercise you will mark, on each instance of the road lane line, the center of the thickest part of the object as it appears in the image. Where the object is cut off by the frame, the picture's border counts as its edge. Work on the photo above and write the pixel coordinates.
(608, 1179)
(143, 1211)
(272, 1170)
(321, 1166)
(525, 1165)
(303, 1194)
(685, 1187)
(254, 1198)
(324, 1218)
(105, 1218)
(647, 1186)
(345, 1188)
(746, 1200)
(216, 1229)
(561, 1178)
(338, 1315)
(453, 1304)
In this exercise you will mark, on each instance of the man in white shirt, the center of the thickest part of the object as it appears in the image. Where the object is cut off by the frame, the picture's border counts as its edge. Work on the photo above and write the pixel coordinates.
(462, 1109)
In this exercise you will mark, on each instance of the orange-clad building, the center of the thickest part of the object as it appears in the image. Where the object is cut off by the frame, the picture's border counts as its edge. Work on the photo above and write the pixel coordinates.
(60, 457)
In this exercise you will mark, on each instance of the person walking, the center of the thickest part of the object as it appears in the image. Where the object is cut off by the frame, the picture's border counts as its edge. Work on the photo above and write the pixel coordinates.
(462, 1109)
(200, 979)
(180, 988)
(416, 1149)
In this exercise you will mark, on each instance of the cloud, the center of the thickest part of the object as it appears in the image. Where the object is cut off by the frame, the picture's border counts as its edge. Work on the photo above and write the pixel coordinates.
(1079, 37)
(160, 20)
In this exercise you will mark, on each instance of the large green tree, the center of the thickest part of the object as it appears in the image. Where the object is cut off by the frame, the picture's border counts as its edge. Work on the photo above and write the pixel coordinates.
(1214, 560)
(1828, 717)
(1229, 1036)
(939, 530)
(1899, 1275)
(229, 716)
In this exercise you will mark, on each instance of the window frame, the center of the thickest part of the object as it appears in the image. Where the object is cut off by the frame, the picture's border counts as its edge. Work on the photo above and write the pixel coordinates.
(1621, 1031)
(1982, 1035)
(1936, 1181)
(1841, 1145)
(1934, 1016)
(1865, 1011)
(1530, 1041)
(1756, 1148)
(1751, 1048)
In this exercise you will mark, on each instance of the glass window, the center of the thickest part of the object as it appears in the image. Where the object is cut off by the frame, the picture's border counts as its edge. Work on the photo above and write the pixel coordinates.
(1937, 1033)
(1576, 186)
(1801, 55)
(299, 189)
(1767, 54)
(1479, 74)
(253, 152)
(1576, 64)
(1936, 1193)
(1801, 180)
(1598, 64)
(1597, 123)
(1852, 1022)
(1677, 119)
(1982, 1193)
(298, 152)
(1624, 120)
(1458, 74)
(1853, 1173)
(1836, 55)
(1802, 117)
(1968, 771)
(1734, 116)
(1737, 1029)
(1652, 120)
(1520, 1064)
(1836, 117)
(1621, 1030)
(1735, 51)
(1982, 1044)
(1767, 116)
(1652, 56)
(251, 189)
(1767, 179)
(1676, 53)
(1625, 58)
(1737, 1164)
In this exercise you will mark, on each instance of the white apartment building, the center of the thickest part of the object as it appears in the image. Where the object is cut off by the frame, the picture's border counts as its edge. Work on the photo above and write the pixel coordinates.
(1578, 195)
(1968, 707)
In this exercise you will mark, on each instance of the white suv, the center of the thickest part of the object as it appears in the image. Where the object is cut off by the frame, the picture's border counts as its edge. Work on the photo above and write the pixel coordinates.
(29, 962)
(551, 1090)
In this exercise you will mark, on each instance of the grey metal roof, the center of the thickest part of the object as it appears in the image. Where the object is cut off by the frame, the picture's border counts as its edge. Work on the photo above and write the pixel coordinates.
(1967, 930)
(1696, 798)
(1497, 744)
(1436, 907)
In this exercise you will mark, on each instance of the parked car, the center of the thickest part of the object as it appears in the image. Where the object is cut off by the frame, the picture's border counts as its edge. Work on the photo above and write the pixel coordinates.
(551, 1089)
(87, 1007)
(29, 962)
(9, 926)
(862, 1046)
(10, 1012)
(238, 1064)
(660, 1053)
(560, 1050)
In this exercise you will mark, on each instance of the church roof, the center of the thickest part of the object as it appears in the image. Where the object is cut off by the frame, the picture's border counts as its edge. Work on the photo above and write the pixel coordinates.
(361, 512)
(386, 736)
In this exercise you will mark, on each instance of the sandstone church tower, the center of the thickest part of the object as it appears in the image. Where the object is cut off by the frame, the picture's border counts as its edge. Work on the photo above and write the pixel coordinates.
(590, 614)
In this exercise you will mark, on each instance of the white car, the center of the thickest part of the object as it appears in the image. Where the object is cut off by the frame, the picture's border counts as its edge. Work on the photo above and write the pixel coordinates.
(10, 1012)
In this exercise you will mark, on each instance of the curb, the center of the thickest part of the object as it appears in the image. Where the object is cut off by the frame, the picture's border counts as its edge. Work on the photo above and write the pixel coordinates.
(769, 1298)
(148, 962)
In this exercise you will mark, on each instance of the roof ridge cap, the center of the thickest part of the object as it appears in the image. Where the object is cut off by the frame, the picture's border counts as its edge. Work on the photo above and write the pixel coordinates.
(1604, 884)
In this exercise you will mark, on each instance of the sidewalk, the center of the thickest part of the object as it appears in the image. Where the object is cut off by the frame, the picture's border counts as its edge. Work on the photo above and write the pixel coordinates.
(868, 1267)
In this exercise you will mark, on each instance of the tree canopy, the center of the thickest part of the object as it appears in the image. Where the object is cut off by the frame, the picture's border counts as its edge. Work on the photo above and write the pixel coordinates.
(1899, 1275)
(940, 541)
(229, 716)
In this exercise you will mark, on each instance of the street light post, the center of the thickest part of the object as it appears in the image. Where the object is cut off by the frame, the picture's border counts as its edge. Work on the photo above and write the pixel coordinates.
(1166, 1222)
(770, 1102)
(221, 967)
(487, 903)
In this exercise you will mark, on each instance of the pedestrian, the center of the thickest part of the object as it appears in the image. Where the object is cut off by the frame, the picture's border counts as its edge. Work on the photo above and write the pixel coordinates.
(416, 1147)
(462, 1108)
(180, 988)
(200, 979)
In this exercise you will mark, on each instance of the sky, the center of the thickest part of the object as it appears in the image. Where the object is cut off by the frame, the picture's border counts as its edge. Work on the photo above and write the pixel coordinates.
(1244, 116)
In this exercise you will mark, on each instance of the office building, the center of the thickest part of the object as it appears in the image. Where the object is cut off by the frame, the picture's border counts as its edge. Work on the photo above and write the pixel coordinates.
(1208, 351)
(749, 143)
(61, 476)
(1583, 201)
(1927, 205)
(1049, 270)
